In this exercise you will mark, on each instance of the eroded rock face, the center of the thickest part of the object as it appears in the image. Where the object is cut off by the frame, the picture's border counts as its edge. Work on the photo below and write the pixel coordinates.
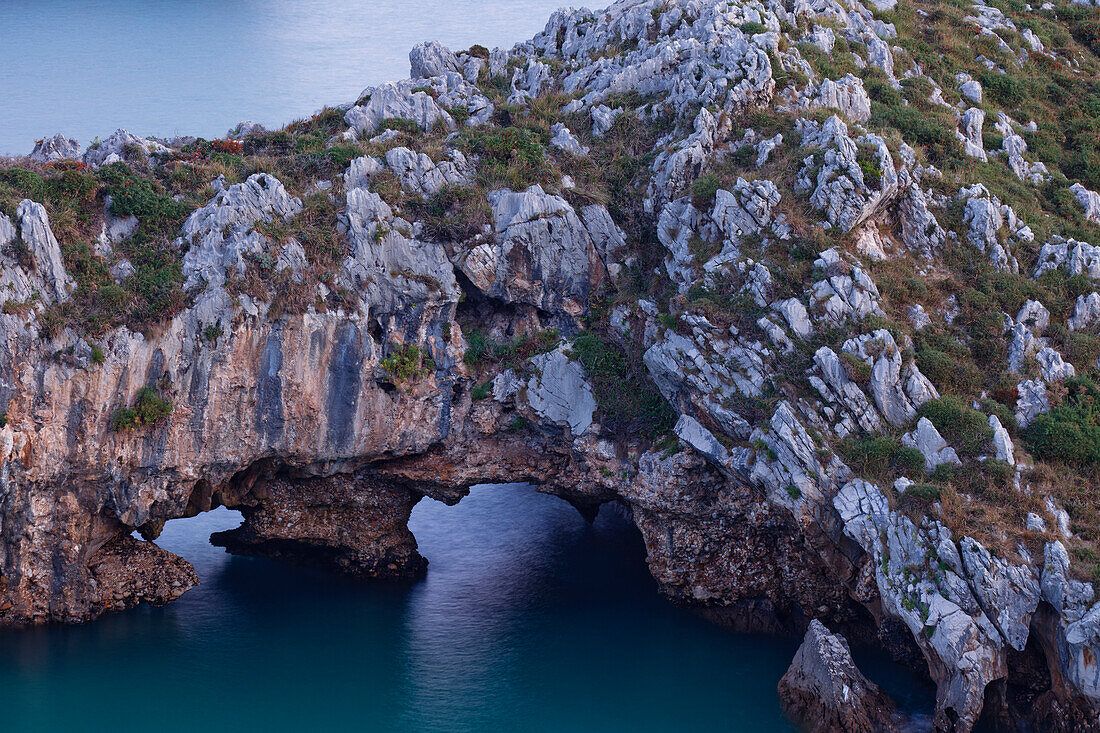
(824, 691)
(356, 524)
(542, 253)
(57, 147)
(122, 145)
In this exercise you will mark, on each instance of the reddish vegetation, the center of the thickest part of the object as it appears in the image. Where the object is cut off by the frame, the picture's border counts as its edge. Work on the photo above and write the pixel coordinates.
(67, 165)
(228, 146)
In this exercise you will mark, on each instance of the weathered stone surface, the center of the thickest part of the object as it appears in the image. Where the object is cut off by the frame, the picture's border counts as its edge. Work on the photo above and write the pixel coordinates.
(351, 523)
(920, 231)
(839, 189)
(1032, 401)
(824, 691)
(431, 58)
(57, 147)
(541, 253)
(389, 268)
(121, 145)
(846, 293)
(973, 120)
(796, 316)
(931, 444)
(44, 250)
(396, 101)
(420, 174)
(1003, 449)
(1090, 200)
(1086, 312)
(244, 129)
(846, 95)
(558, 392)
(565, 140)
(1077, 257)
(220, 235)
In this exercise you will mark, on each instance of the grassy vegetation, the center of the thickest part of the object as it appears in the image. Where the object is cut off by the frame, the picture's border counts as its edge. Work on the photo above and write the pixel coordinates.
(482, 350)
(966, 429)
(629, 403)
(454, 213)
(149, 408)
(1070, 432)
(407, 363)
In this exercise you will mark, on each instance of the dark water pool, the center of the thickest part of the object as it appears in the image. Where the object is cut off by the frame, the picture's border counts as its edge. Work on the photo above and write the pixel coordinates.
(529, 619)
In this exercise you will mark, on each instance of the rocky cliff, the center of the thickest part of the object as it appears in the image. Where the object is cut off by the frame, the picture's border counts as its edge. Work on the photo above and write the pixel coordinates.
(808, 287)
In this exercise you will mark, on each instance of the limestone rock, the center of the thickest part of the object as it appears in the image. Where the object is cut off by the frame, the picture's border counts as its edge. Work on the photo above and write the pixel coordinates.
(973, 120)
(972, 90)
(57, 147)
(559, 392)
(243, 129)
(1034, 316)
(1077, 257)
(220, 234)
(840, 189)
(765, 147)
(846, 95)
(846, 293)
(397, 101)
(431, 58)
(931, 444)
(541, 253)
(45, 252)
(1090, 200)
(919, 317)
(388, 267)
(940, 610)
(1086, 312)
(420, 174)
(123, 145)
(796, 316)
(824, 691)
(746, 209)
(565, 140)
(920, 231)
(702, 440)
(603, 117)
(1003, 449)
(1052, 367)
(1031, 402)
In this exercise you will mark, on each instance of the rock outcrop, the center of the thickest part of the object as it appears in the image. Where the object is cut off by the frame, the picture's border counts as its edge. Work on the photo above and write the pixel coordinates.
(824, 690)
(574, 262)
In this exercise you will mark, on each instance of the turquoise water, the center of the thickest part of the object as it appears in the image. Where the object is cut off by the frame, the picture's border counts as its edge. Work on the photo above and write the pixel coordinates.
(197, 67)
(529, 620)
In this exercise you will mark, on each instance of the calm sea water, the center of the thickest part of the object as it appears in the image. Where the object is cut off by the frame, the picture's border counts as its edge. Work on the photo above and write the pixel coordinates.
(197, 67)
(529, 619)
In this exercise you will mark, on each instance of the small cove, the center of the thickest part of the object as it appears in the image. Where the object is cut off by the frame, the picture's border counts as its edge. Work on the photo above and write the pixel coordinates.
(529, 619)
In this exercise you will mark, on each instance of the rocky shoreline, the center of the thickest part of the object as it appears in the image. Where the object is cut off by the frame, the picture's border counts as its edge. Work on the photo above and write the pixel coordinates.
(663, 254)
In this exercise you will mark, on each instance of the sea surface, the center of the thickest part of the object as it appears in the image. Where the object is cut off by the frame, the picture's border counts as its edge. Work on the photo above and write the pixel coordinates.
(198, 67)
(529, 619)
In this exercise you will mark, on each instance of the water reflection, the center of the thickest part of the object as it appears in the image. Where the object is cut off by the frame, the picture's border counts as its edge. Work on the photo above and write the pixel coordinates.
(529, 619)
